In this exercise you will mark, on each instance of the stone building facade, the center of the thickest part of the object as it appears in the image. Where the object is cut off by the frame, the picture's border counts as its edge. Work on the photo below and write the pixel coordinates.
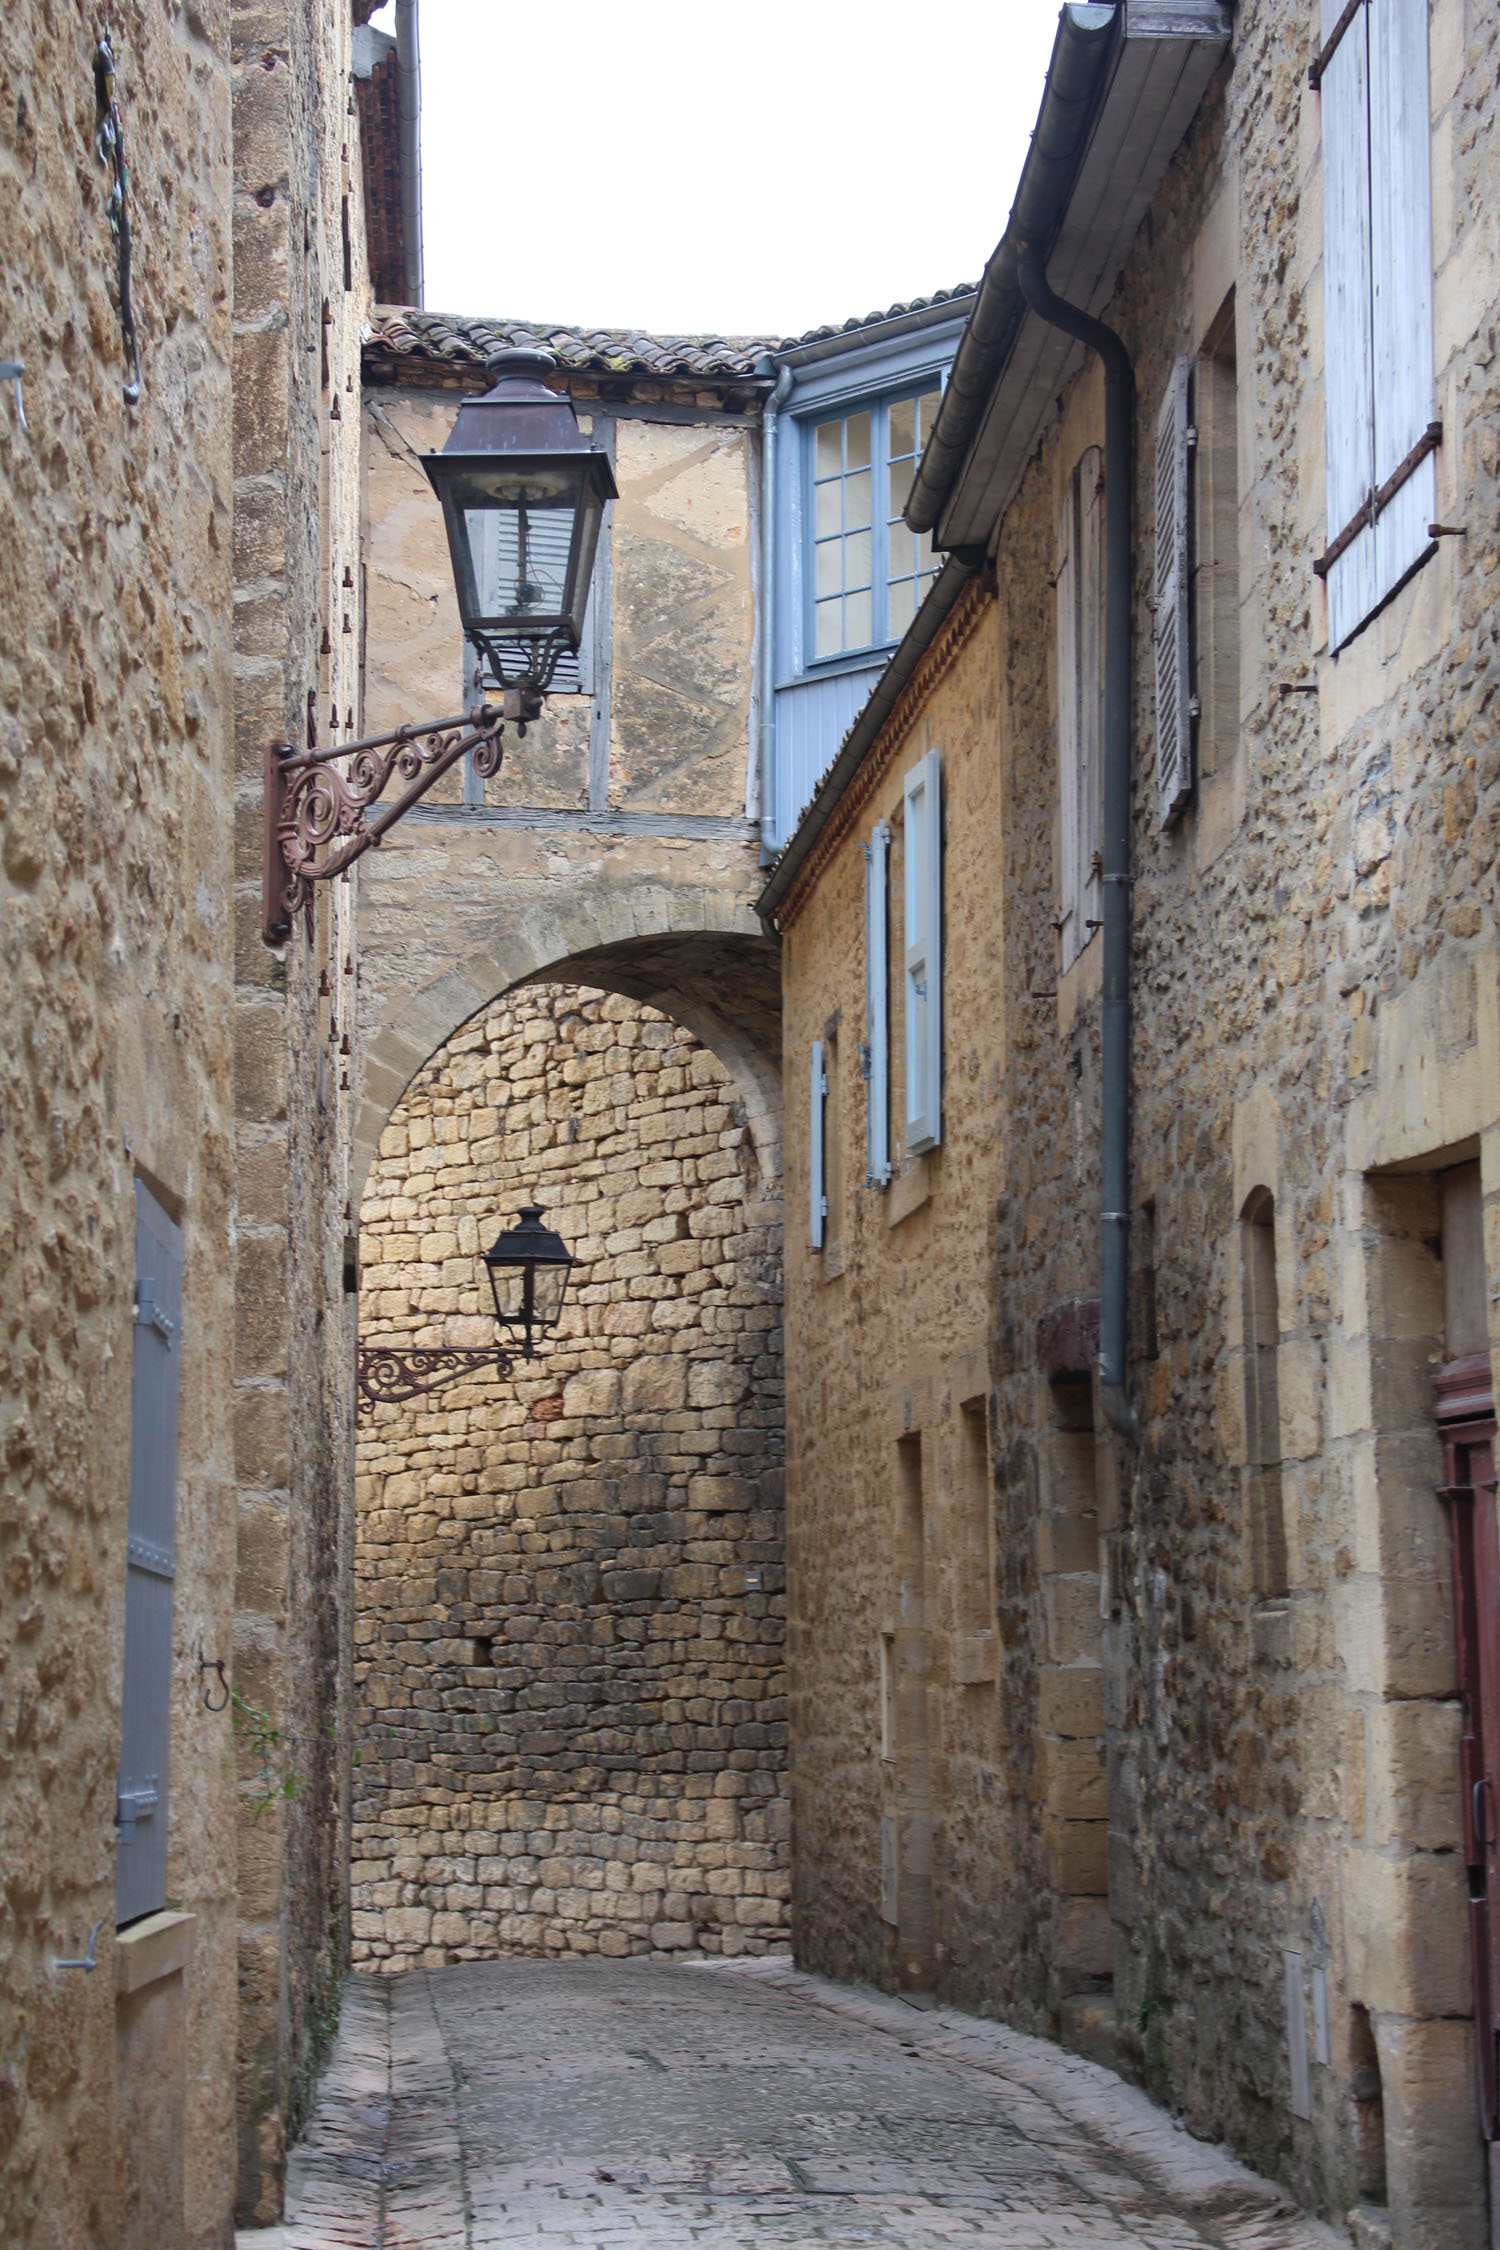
(174, 560)
(115, 689)
(569, 1584)
(1152, 1738)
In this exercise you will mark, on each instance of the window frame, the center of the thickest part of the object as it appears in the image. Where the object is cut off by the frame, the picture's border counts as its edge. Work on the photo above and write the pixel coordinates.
(877, 403)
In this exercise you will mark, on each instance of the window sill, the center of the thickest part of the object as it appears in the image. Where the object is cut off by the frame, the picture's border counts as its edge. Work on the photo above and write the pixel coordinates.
(833, 1261)
(908, 1192)
(149, 1950)
(873, 659)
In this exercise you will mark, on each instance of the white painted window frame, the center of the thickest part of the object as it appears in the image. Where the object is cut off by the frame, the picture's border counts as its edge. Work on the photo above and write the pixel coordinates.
(1171, 626)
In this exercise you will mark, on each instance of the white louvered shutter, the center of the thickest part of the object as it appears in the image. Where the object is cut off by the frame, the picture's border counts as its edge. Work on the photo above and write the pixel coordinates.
(1401, 278)
(924, 955)
(817, 1119)
(1377, 301)
(1174, 711)
(877, 1006)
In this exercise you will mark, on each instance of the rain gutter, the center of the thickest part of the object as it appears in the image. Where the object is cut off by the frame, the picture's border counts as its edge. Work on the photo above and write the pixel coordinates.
(409, 145)
(1076, 80)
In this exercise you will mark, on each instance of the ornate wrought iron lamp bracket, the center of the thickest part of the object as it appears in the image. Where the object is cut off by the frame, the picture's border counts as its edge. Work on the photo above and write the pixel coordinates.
(394, 1375)
(323, 807)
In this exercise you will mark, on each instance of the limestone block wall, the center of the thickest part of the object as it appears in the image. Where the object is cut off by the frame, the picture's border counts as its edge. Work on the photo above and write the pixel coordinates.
(300, 299)
(117, 1064)
(569, 1584)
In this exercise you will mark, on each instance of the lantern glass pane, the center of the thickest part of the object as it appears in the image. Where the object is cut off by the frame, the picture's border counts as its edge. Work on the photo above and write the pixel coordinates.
(550, 1288)
(521, 561)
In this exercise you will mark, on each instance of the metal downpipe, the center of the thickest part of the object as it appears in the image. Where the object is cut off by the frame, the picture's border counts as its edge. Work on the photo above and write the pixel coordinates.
(1114, 1137)
(770, 432)
(409, 134)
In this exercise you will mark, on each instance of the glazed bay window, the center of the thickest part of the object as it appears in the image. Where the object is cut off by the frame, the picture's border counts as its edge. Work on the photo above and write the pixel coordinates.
(869, 572)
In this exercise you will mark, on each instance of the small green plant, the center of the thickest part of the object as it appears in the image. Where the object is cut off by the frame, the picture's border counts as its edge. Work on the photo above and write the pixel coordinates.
(262, 1738)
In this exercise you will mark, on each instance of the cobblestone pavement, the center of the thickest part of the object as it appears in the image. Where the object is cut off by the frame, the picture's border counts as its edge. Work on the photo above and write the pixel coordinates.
(736, 2106)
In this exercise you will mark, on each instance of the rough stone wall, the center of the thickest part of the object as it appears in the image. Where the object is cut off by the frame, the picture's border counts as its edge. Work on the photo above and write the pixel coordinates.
(569, 1583)
(299, 313)
(115, 969)
(1313, 976)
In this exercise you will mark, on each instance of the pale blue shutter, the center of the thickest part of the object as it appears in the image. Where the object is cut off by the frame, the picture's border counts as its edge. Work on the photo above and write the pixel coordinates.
(1377, 305)
(817, 1194)
(877, 1055)
(924, 956)
(150, 1565)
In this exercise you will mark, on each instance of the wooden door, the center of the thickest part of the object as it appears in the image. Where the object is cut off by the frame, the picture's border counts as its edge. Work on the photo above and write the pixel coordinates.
(1466, 1420)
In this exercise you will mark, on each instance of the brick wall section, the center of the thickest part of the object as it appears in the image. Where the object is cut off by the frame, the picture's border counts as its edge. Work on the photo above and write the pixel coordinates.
(606, 1770)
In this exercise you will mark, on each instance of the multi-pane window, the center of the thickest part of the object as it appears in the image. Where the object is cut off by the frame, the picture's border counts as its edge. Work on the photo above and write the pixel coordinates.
(869, 571)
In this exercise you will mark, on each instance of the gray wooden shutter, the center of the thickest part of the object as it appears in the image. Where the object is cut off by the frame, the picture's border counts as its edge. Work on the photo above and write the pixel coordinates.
(150, 1564)
(924, 955)
(1377, 304)
(1080, 699)
(817, 1112)
(1070, 913)
(1170, 634)
(877, 1056)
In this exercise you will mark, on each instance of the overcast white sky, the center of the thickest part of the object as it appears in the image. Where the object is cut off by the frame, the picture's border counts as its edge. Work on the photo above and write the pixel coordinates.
(694, 167)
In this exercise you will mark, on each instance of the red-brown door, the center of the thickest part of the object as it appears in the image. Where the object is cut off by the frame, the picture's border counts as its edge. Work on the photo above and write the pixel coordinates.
(1466, 1420)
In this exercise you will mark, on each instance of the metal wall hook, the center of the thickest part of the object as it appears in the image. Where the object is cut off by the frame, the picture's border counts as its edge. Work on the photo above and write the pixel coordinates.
(212, 1664)
(11, 371)
(86, 1961)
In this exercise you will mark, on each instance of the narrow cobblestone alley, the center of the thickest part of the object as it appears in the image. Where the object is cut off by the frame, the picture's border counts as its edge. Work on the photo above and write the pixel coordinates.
(735, 2106)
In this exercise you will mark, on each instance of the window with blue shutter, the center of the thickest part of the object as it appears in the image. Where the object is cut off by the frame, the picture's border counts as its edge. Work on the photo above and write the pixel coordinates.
(817, 1123)
(1372, 75)
(877, 1049)
(150, 1564)
(923, 995)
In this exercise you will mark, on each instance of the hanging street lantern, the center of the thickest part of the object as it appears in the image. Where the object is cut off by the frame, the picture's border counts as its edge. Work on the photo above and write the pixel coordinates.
(523, 493)
(528, 1268)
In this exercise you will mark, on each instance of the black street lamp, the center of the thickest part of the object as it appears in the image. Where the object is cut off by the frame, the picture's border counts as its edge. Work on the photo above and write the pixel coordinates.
(523, 494)
(528, 1267)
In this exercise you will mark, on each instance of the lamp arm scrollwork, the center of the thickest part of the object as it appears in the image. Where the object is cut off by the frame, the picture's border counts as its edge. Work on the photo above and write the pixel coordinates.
(319, 816)
(393, 1375)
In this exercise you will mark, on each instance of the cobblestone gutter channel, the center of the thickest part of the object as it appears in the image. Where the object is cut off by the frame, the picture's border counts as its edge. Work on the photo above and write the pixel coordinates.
(736, 2106)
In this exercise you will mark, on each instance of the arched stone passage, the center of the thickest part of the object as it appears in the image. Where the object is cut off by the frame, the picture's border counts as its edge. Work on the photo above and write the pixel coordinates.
(570, 1703)
(689, 949)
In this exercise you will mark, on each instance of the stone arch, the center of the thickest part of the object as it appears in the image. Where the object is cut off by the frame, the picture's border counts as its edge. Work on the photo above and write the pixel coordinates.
(699, 956)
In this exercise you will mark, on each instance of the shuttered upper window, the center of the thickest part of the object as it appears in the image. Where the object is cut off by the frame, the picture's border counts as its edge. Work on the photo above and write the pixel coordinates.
(1080, 700)
(1377, 303)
